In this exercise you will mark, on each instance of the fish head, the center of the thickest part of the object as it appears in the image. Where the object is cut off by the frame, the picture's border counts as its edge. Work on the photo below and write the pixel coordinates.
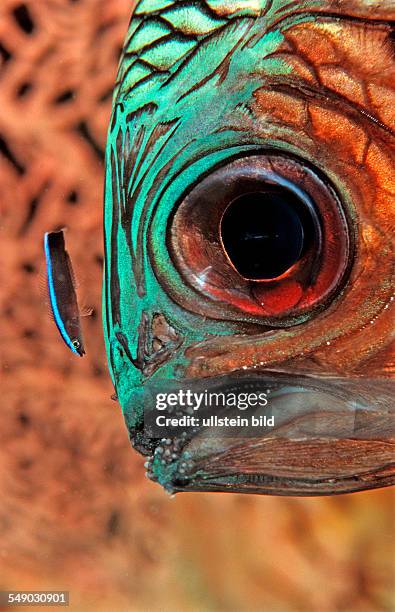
(249, 185)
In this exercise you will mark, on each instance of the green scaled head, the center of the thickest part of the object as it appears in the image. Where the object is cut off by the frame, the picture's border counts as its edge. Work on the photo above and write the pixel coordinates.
(230, 220)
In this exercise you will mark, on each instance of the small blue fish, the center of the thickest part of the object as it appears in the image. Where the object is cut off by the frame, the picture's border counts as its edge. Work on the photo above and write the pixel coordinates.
(62, 293)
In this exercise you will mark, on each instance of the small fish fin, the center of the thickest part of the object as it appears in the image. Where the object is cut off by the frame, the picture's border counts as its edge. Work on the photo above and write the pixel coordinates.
(86, 311)
(50, 311)
(42, 285)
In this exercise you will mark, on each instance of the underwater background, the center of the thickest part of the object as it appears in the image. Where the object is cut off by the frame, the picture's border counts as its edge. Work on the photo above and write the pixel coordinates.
(76, 511)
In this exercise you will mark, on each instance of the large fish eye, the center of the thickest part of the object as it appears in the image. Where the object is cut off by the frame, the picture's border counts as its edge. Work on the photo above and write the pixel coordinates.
(266, 236)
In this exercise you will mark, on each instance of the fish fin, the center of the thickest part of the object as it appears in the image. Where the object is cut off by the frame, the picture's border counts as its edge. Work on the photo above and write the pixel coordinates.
(42, 284)
(86, 311)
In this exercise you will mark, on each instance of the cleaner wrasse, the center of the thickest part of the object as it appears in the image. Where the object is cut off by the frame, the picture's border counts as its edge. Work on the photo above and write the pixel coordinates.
(249, 208)
(61, 291)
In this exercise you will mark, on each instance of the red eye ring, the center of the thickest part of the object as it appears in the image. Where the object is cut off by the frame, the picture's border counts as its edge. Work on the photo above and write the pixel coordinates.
(198, 250)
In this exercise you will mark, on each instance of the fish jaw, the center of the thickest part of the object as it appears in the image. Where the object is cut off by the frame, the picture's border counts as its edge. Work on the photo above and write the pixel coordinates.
(322, 436)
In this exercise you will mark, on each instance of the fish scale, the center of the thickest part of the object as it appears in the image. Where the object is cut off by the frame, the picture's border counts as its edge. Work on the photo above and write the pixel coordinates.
(162, 34)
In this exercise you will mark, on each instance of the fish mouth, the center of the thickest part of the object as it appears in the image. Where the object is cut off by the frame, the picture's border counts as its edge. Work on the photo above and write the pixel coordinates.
(316, 435)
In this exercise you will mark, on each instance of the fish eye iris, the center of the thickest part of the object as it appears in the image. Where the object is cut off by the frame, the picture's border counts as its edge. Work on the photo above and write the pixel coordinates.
(262, 238)
(264, 233)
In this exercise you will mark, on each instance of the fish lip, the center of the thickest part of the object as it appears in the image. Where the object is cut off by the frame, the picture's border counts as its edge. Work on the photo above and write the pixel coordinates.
(362, 416)
(267, 484)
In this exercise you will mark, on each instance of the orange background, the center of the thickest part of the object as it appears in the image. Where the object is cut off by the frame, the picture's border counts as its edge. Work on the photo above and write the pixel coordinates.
(76, 511)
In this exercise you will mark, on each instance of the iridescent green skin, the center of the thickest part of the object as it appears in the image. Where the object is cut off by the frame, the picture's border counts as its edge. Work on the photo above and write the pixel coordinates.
(175, 117)
(183, 105)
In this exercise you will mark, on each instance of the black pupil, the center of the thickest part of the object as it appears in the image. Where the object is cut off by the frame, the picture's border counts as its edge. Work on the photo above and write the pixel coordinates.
(264, 233)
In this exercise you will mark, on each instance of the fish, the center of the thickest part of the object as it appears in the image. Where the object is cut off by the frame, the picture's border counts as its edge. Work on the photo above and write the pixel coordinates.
(62, 292)
(248, 232)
